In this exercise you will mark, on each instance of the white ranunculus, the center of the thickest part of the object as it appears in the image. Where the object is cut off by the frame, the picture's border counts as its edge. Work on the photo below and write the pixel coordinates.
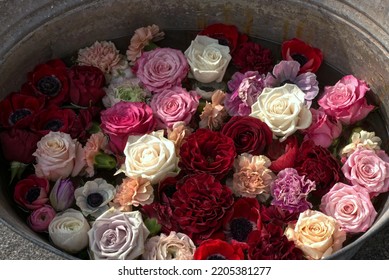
(69, 231)
(282, 109)
(117, 235)
(150, 156)
(208, 60)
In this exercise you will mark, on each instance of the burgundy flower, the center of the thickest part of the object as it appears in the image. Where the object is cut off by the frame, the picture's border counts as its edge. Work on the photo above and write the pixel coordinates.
(86, 85)
(271, 244)
(166, 188)
(310, 58)
(250, 56)
(250, 135)
(53, 119)
(283, 154)
(163, 213)
(202, 206)
(277, 216)
(82, 123)
(207, 151)
(32, 192)
(215, 249)
(319, 165)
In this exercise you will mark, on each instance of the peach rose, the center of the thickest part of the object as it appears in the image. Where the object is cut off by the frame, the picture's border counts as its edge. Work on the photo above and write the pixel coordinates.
(134, 191)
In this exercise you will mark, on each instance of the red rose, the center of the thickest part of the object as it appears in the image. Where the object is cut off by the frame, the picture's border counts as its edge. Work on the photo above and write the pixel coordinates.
(51, 81)
(310, 58)
(319, 165)
(206, 151)
(250, 135)
(17, 110)
(19, 144)
(32, 192)
(277, 216)
(283, 154)
(251, 56)
(53, 119)
(271, 244)
(218, 250)
(86, 85)
(202, 206)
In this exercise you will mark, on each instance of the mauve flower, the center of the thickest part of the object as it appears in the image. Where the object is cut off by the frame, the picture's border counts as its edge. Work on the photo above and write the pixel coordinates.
(290, 191)
(134, 191)
(175, 246)
(177, 134)
(32, 192)
(288, 72)
(117, 235)
(363, 139)
(102, 55)
(214, 113)
(96, 143)
(350, 206)
(40, 218)
(215, 249)
(62, 194)
(239, 102)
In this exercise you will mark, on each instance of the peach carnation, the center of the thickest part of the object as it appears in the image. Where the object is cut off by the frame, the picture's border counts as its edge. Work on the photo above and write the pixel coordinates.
(134, 191)
(94, 145)
(178, 134)
(214, 113)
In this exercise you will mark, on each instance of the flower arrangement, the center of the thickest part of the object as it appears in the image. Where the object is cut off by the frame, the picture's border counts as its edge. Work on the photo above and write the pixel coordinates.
(218, 151)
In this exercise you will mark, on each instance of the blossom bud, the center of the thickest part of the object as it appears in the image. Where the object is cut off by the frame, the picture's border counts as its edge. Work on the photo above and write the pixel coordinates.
(62, 194)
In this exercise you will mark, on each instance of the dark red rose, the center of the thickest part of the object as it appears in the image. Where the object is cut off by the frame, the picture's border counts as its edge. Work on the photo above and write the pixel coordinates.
(319, 165)
(276, 216)
(164, 215)
(227, 35)
(32, 192)
(51, 81)
(17, 110)
(206, 151)
(86, 85)
(251, 56)
(250, 135)
(53, 119)
(215, 249)
(19, 144)
(271, 244)
(283, 154)
(202, 206)
(310, 58)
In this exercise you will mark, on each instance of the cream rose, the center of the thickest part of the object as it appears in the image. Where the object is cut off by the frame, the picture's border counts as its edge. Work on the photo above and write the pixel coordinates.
(316, 234)
(58, 156)
(150, 156)
(208, 60)
(69, 231)
(282, 109)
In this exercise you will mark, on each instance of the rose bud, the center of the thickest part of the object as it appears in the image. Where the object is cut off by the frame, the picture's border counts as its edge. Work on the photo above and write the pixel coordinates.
(40, 218)
(62, 194)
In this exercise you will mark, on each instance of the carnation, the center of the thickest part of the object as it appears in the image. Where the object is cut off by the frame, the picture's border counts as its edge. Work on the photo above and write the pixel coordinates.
(365, 139)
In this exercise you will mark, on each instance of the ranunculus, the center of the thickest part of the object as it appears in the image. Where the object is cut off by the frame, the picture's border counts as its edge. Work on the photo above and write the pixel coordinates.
(367, 140)
(53, 119)
(208, 60)
(86, 85)
(174, 105)
(69, 231)
(175, 246)
(318, 165)
(32, 192)
(346, 100)
(310, 58)
(283, 154)
(214, 113)
(134, 191)
(117, 235)
(124, 119)
(250, 135)
(251, 56)
(18, 144)
(150, 156)
(58, 156)
(316, 234)
(368, 169)
(62, 194)
(40, 218)
(206, 151)
(283, 110)
(161, 69)
(350, 206)
(324, 129)
(216, 249)
(202, 206)
(270, 243)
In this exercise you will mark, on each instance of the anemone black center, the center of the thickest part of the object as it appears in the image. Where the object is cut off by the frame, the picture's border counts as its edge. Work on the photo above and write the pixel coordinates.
(240, 229)
(94, 199)
(49, 86)
(53, 125)
(216, 257)
(33, 194)
(286, 82)
(17, 115)
(301, 59)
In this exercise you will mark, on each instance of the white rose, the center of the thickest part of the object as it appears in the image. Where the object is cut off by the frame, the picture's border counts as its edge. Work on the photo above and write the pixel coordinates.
(69, 231)
(150, 156)
(282, 109)
(208, 60)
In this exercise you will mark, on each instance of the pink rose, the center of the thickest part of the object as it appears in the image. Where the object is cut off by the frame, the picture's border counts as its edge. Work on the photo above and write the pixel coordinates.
(124, 119)
(346, 100)
(161, 69)
(174, 105)
(324, 128)
(350, 206)
(368, 169)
